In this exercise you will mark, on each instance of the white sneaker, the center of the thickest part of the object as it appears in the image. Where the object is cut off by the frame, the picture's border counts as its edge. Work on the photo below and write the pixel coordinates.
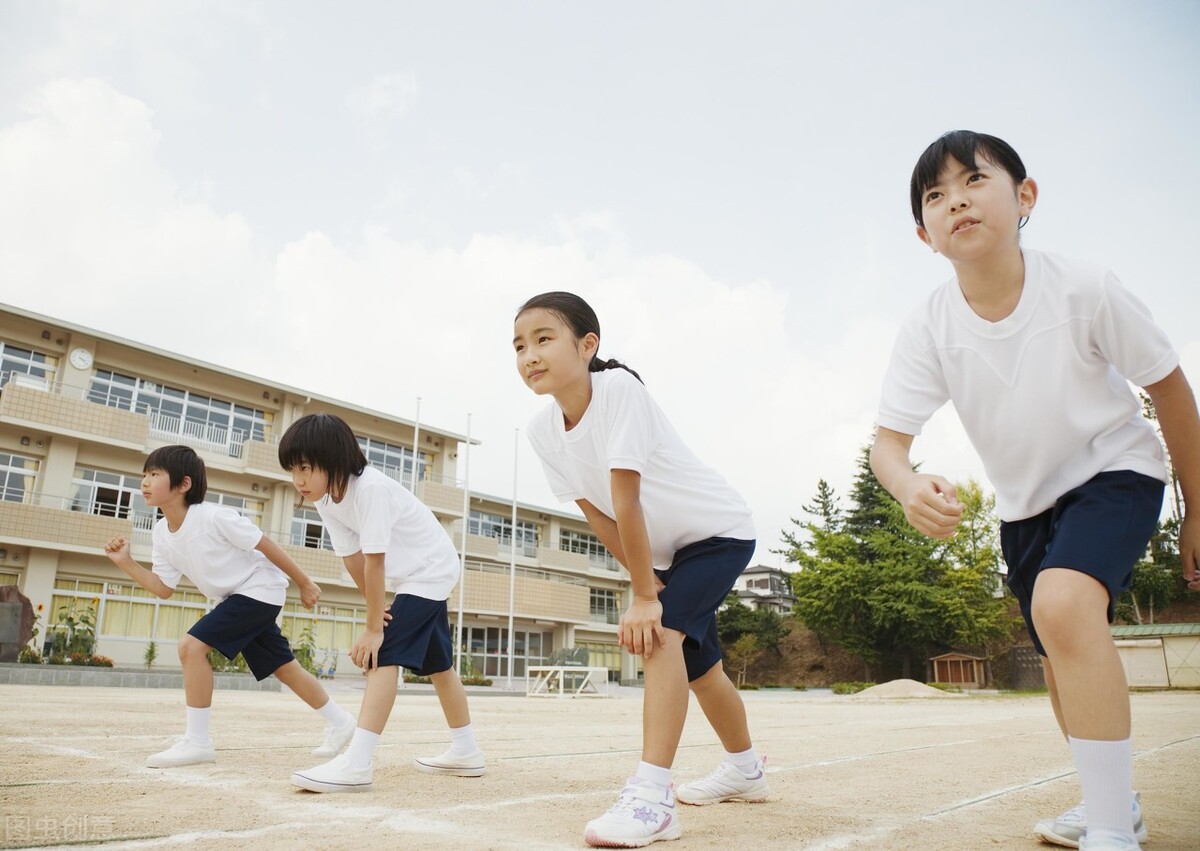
(727, 783)
(334, 776)
(1109, 843)
(641, 815)
(336, 739)
(466, 765)
(1069, 828)
(183, 752)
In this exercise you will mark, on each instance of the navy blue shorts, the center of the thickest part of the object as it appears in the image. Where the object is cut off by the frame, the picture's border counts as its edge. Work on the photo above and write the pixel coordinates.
(1100, 528)
(699, 579)
(241, 624)
(418, 636)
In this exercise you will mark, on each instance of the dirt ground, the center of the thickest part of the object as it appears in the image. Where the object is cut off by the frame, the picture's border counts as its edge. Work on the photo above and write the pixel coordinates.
(846, 772)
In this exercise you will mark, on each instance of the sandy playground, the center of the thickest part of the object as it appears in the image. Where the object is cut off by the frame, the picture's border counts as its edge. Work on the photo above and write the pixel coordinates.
(846, 772)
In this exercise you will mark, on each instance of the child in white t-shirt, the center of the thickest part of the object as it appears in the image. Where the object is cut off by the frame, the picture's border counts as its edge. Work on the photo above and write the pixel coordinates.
(683, 533)
(230, 560)
(1035, 351)
(390, 542)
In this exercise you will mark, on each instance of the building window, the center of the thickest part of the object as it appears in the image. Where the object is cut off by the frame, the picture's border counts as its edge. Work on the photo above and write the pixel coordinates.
(17, 474)
(176, 414)
(111, 495)
(486, 647)
(308, 530)
(334, 628)
(393, 461)
(17, 361)
(587, 544)
(601, 655)
(606, 607)
(251, 509)
(127, 611)
(501, 528)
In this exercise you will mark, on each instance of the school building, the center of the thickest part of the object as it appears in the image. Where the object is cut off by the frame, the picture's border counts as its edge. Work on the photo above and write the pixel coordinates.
(81, 409)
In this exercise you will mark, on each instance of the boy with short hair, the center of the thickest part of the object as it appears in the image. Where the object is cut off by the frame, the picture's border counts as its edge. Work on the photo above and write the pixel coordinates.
(1035, 350)
(228, 559)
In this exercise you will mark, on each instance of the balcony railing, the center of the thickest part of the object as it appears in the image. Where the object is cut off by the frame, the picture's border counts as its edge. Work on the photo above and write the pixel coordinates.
(200, 435)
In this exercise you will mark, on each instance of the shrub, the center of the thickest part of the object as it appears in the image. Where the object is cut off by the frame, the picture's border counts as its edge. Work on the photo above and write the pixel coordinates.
(748, 687)
(849, 688)
(150, 655)
(221, 665)
(29, 655)
(100, 662)
(953, 689)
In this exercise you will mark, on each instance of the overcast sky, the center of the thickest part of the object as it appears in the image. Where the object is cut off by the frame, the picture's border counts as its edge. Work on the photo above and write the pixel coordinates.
(354, 198)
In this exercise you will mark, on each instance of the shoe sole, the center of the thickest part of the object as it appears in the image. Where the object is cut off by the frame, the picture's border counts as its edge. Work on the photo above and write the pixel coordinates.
(150, 764)
(590, 837)
(320, 786)
(475, 771)
(742, 798)
(1051, 838)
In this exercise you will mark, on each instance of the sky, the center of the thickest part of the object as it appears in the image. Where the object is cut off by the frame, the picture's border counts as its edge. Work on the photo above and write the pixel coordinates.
(354, 198)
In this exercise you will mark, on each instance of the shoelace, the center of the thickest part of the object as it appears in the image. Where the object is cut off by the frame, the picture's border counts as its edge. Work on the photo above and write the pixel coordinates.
(1075, 814)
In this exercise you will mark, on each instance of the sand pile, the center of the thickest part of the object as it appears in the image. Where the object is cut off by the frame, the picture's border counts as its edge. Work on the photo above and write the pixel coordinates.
(902, 688)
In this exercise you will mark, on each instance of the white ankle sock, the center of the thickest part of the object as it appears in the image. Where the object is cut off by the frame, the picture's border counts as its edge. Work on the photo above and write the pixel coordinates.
(464, 740)
(655, 774)
(746, 761)
(361, 749)
(333, 714)
(197, 725)
(1106, 775)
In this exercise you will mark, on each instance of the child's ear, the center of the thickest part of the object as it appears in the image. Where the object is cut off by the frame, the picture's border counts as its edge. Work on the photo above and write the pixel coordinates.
(923, 235)
(590, 343)
(1027, 195)
(185, 484)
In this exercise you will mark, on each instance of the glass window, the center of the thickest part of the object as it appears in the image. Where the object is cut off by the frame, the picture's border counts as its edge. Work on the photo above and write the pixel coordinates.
(15, 360)
(587, 544)
(308, 530)
(17, 474)
(501, 528)
(111, 495)
(394, 461)
(249, 508)
(605, 605)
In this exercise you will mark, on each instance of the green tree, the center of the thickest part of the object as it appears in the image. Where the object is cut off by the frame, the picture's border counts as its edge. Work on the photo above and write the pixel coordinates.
(740, 656)
(889, 594)
(735, 620)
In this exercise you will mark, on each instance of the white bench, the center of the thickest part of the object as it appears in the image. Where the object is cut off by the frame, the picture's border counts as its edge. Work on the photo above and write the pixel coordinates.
(565, 681)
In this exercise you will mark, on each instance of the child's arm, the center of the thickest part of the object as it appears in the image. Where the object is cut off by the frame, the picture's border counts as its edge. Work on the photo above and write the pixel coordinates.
(117, 550)
(642, 622)
(310, 592)
(368, 574)
(930, 502)
(1175, 406)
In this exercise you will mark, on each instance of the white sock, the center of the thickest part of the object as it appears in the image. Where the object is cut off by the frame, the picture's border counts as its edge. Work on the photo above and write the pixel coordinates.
(654, 774)
(1106, 775)
(464, 740)
(361, 749)
(197, 725)
(745, 762)
(333, 714)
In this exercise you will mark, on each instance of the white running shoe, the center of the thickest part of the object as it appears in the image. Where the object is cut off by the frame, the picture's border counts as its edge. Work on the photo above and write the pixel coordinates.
(1069, 828)
(465, 765)
(336, 739)
(727, 783)
(183, 752)
(641, 815)
(334, 776)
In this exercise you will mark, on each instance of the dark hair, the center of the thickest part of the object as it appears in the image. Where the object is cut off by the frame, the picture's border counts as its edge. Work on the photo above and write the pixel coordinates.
(177, 462)
(326, 442)
(580, 318)
(964, 146)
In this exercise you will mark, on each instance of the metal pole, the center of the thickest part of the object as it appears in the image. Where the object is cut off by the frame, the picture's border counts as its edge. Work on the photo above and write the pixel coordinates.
(416, 447)
(462, 549)
(512, 559)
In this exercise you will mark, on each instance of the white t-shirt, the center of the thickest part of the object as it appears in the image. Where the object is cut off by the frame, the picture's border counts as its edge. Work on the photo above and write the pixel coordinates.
(215, 549)
(378, 515)
(1042, 393)
(683, 500)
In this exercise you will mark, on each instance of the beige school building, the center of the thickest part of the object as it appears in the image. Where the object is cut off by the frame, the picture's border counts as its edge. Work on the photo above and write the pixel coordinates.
(81, 409)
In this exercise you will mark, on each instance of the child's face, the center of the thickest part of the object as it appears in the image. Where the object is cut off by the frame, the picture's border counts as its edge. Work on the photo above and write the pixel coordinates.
(312, 482)
(157, 490)
(549, 357)
(971, 214)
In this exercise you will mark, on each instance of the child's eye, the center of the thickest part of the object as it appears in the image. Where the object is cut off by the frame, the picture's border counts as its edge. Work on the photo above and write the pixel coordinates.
(974, 177)
(543, 339)
(932, 196)
(518, 348)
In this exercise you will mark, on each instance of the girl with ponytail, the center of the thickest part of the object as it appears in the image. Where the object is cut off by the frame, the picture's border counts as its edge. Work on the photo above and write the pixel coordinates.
(679, 529)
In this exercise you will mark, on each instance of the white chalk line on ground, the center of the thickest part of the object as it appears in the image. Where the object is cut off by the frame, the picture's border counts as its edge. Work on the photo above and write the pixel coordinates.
(846, 840)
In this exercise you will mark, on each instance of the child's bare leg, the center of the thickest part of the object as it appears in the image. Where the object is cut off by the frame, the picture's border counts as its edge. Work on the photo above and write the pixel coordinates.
(1070, 611)
(378, 699)
(1052, 688)
(665, 701)
(453, 698)
(723, 707)
(304, 684)
(197, 673)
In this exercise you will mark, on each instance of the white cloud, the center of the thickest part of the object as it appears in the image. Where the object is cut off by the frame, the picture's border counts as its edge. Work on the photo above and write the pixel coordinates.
(382, 101)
